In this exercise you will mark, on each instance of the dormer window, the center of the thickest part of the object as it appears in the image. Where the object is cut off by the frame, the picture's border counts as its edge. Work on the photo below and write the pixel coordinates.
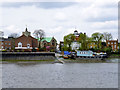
(20, 45)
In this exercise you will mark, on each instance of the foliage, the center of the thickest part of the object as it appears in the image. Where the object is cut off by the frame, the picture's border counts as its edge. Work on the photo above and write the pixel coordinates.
(18, 50)
(84, 40)
(68, 39)
(98, 38)
(4, 50)
(108, 49)
(33, 50)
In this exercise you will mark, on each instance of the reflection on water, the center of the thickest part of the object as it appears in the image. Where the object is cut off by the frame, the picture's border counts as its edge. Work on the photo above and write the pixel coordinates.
(68, 75)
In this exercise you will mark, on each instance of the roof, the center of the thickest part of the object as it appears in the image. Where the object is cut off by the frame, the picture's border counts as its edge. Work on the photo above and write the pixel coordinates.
(48, 39)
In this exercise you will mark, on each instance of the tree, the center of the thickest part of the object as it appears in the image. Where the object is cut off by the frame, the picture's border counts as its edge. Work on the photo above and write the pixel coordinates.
(68, 39)
(39, 34)
(107, 36)
(1, 33)
(84, 40)
(14, 35)
(98, 38)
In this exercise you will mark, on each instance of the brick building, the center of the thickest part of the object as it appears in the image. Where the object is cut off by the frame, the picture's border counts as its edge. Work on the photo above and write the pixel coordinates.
(26, 42)
(113, 44)
(92, 45)
(5, 44)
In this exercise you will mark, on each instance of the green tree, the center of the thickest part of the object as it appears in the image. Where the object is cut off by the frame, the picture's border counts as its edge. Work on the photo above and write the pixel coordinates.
(98, 38)
(68, 39)
(84, 40)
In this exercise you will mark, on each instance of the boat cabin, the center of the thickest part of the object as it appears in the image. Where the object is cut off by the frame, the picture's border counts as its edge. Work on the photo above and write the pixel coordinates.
(84, 53)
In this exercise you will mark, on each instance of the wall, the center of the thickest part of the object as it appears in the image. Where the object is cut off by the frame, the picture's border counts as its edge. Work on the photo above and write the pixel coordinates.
(28, 56)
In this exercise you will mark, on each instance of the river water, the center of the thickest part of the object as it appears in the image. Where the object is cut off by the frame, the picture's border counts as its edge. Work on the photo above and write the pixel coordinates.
(67, 75)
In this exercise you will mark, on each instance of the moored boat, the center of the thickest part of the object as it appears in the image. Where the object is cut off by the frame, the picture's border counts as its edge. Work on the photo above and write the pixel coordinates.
(89, 55)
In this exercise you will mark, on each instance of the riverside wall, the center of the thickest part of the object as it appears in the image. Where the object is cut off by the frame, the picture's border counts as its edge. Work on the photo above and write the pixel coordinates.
(28, 56)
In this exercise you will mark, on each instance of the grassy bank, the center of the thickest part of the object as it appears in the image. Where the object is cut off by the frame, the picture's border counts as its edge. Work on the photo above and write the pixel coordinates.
(114, 55)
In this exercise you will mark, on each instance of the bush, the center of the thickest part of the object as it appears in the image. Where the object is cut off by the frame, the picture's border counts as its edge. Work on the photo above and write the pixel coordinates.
(4, 50)
(18, 50)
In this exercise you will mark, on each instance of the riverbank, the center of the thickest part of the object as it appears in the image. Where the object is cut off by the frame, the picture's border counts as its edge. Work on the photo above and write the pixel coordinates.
(28, 55)
(107, 60)
(114, 56)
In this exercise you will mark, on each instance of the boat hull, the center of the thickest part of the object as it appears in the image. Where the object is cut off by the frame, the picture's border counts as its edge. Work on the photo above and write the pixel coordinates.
(90, 58)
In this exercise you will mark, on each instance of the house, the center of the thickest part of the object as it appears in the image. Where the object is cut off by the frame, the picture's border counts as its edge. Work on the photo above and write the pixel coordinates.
(113, 44)
(92, 45)
(26, 42)
(75, 44)
(50, 42)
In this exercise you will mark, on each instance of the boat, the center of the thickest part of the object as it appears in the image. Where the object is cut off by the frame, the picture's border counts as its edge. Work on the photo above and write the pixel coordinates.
(90, 55)
(65, 56)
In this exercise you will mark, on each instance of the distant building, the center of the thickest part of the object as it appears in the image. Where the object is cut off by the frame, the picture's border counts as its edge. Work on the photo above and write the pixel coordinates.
(75, 44)
(92, 45)
(26, 42)
(5, 44)
(49, 41)
(113, 44)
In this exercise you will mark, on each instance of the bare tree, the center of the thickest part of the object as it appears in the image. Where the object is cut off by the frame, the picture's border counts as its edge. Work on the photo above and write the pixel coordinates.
(107, 36)
(14, 35)
(1, 33)
(39, 34)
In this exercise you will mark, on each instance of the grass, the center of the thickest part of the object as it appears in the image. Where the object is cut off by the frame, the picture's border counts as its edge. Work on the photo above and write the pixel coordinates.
(115, 55)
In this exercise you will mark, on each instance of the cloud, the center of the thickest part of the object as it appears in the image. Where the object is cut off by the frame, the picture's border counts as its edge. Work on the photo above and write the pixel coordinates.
(45, 5)
(10, 29)
(60, 16)
(60, 19)
(105, 25)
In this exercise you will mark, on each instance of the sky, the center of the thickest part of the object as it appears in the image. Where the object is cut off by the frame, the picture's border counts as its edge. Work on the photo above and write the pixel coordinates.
(59, 18)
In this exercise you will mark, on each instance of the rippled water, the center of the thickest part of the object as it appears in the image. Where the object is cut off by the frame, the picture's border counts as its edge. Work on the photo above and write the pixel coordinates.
(68, 75)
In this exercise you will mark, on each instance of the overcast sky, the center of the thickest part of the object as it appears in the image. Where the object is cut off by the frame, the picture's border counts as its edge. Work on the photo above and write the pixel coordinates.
(60, 18)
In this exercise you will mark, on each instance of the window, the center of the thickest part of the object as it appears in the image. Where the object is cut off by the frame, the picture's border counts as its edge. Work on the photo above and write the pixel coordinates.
(108, 42)
(111, 42)
(28, 45)
(2, 43)
(19, 44)
(90, 46)
(5, 43)
(112, 46)
(115, 46)
(114, 42)
(9, 43)
(2, 47)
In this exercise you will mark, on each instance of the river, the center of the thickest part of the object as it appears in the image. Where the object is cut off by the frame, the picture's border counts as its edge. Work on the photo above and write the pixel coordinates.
(67, 75)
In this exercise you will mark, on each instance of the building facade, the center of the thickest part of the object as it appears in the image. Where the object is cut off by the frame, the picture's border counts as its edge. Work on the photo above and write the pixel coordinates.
(113, 44)
(5, 44)
(50, 42)
(92, 45)
(26, 42)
